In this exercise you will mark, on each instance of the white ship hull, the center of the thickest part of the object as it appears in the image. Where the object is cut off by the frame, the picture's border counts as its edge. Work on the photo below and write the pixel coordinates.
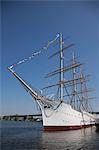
(65, 118)
(59, 116)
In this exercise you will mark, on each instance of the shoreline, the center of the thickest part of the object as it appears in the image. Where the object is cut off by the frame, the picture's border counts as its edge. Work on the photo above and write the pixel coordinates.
(37, 117)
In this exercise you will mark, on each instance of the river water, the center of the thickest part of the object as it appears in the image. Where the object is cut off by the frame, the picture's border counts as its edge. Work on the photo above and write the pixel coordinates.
(30, 136)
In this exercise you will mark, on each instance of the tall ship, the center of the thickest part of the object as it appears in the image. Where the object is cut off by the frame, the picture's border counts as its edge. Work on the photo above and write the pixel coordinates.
(70, 108)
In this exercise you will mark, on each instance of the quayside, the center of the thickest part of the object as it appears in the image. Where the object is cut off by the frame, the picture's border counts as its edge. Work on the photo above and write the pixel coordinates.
(70, 110)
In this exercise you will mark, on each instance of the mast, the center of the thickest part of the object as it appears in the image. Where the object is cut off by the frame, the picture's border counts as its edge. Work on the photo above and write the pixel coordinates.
(61, 68)
(74, 82)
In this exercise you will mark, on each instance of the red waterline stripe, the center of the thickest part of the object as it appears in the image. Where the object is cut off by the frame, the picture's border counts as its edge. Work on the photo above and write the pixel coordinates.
(65, 128)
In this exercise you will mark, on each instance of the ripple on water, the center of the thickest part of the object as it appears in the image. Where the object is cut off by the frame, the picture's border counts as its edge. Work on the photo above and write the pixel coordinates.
(30, 136)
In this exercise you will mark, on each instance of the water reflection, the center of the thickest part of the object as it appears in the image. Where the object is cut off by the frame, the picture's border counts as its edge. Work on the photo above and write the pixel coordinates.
(30, 136)
(84, 139)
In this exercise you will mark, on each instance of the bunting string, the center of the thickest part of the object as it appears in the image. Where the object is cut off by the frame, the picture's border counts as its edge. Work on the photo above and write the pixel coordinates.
(35, 53)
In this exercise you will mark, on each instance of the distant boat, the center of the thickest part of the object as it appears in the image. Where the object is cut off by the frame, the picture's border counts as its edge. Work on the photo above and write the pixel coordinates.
(39, 119)
(71, 109)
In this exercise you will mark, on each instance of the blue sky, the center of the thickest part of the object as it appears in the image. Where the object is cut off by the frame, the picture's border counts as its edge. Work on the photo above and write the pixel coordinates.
(27, 26)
